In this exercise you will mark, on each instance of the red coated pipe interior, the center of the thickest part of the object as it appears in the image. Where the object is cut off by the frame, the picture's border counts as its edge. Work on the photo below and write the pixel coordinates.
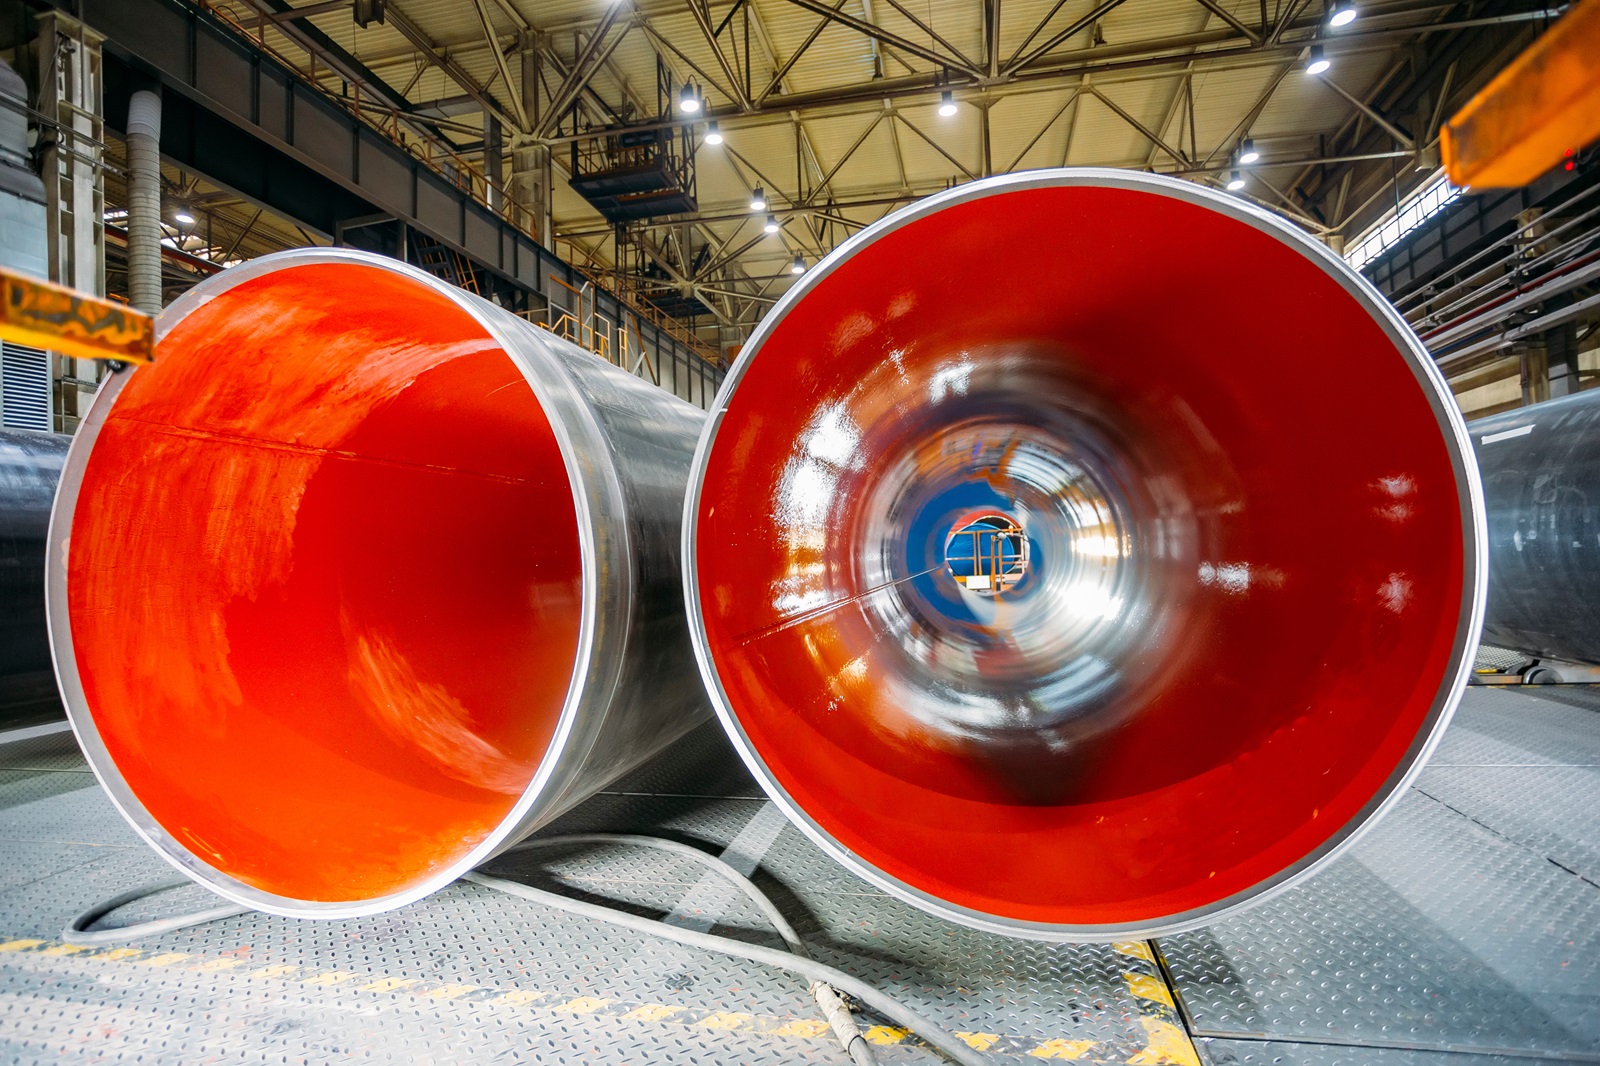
(324, 583)
(1300, 546)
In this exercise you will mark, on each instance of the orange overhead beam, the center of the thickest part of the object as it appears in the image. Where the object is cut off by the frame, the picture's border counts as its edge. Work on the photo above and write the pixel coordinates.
(1536, 114)
(43, 315)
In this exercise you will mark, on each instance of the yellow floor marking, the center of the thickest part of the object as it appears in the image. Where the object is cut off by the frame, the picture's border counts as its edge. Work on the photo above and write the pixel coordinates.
(388, 984)
(450, 991)
(1168, 1046)
(1148, 987)
(1136, 948)
(1062, 1049)
(885, 1034)
(332, 977)
(165, 960)
(581, 1005)
(213, 965)
(804, 1027)
(652, 1012)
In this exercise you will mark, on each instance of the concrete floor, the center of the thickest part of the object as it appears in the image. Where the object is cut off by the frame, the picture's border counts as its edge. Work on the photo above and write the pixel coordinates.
(1464, 929)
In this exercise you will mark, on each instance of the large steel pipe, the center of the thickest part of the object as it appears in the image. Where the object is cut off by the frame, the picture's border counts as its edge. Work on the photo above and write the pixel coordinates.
(364, 579)
(1237, 608)
(1541, 484)
(30, 465)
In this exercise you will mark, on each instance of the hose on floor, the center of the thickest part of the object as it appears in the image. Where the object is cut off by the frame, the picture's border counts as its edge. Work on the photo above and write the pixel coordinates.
(832, 1005)
(884, 1004)
(78, 931)
(826, 981)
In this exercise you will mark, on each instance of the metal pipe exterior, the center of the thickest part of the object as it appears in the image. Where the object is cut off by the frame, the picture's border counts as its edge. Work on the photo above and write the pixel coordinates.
(30, 466)
(1541, 486)
(365, 579)
(1239, 620)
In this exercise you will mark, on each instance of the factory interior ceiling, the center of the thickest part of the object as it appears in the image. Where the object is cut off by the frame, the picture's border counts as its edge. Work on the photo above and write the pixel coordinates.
(840, 111)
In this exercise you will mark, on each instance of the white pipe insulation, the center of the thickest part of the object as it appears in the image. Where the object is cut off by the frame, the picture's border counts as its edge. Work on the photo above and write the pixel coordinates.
(144, 201)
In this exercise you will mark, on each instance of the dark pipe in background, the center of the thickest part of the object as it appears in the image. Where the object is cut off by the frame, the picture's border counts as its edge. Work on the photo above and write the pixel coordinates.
(30, 466)
(1541, 482)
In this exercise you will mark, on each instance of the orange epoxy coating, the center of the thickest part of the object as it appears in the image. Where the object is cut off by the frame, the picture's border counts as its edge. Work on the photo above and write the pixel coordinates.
(1284, 699)
(324, 583)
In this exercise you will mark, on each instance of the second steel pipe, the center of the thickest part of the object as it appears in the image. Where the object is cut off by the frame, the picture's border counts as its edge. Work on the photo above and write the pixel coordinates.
(1040, 578)
(363, 580)
(1541, 483)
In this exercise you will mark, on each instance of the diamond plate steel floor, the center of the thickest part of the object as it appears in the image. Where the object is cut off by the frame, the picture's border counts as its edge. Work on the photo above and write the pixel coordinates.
(472, 975)
(1466, 928)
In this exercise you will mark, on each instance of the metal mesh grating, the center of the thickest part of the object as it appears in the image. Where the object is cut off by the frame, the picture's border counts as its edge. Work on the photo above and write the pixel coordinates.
(1501, 660)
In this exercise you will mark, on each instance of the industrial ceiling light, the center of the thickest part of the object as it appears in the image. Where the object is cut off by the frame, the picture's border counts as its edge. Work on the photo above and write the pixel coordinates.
(713, 134)
(183, 216)
(758, 199)
(1316, 62)
(688, 100)
(1235, 181)
(947, 103)
(772, 224)
(1343, 14)
(1247, 152)
(798, 266)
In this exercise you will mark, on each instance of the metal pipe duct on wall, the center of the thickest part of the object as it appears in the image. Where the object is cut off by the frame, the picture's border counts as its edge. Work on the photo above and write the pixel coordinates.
(144, 201)
(30, 465)
(365, 579)
(1232, 621)
(1541, 484)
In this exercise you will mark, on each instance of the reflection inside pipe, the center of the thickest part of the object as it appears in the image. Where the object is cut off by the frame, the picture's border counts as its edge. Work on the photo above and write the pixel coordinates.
(1053, 637)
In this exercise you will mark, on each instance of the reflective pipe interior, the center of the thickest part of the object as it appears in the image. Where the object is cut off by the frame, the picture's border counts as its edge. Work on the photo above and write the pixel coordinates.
(323, 580)
(1237, 608)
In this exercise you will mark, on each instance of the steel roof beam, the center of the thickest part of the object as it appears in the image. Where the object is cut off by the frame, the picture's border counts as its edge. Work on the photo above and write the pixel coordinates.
(1183, 88)
(595, 52)
(931, 143)
(783, 71)
(702, 17)
(957, 61)
(434, 55)
(295, 25)
(1371, 112)
(1149, 135)
(521, 124)
(899, 197)
(1101, 10)
(932, 36)
(1251, 35)
(1051, 121)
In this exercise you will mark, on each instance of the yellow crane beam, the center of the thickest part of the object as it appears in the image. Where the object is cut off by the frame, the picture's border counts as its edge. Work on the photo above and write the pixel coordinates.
(1538, 113)
(43, 315)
